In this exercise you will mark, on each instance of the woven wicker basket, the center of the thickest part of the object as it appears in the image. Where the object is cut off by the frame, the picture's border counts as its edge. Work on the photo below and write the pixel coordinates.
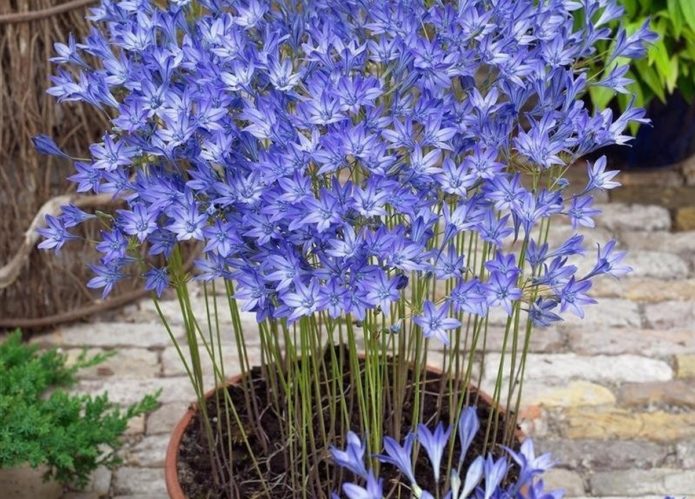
(48, 289)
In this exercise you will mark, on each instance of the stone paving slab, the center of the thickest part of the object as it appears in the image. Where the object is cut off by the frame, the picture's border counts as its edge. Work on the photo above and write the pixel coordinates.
(163, 420)
(623, 424)
(109, 334)
(123, 363)
(597, 454)
(686, 453)
(139, 481)
(619, 217)
(125, 391)
(653, 343)
(569, 481)
(645, 289)
(654, 481)
(148, 452)
(557, 368)
(679, 243)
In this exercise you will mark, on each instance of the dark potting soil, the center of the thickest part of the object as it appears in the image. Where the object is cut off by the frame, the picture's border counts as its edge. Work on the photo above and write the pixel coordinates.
(195, 468)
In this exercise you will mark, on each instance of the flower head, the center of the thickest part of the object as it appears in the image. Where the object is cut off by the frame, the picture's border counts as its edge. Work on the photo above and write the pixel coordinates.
(434, 321)
(434, 444)
(55, 234)
(352, 457)
(400, 456)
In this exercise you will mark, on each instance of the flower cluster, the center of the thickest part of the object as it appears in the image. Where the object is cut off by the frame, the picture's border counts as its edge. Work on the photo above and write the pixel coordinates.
(484, 477)
(323, 152)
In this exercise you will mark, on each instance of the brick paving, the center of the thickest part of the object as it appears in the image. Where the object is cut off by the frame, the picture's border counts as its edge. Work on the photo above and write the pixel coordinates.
(613, 396)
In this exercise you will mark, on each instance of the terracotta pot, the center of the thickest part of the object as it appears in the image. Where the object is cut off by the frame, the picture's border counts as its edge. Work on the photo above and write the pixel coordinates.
(171, 474)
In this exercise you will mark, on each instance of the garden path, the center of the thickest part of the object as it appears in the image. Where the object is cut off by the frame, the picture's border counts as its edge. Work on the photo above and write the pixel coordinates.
(613, 396)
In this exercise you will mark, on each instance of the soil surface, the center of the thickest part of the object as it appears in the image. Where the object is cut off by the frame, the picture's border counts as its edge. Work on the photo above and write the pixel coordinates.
(272, 450)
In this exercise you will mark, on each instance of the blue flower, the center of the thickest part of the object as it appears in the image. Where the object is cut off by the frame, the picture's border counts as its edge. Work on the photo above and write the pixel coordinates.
(138, 222)
(322, 212)
(72, 216)
(530, 465)
(541, 312)
(467, 427)
(473, 476)
(608, 261)
(485, 477)
(434, 444)
(400, 457)
(333, 297)
(581, 213)
(493, 474)
(222, 239)
(573, 296)
(599, 178)
(435, 323)
(352, 457)
(304, 300)
(383, 291)
(113, 245)
(188, 223)
(67, 53)
(283, 269)
(55, 234)
(374, 489)
(449, 264)
(110, 155)
(501, 290)
(87, 177)
(156, 280)
(107, 275)
(46, 145)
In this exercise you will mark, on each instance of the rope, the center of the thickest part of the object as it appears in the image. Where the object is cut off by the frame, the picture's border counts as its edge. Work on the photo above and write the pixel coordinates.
(11, 271)
(23, 17)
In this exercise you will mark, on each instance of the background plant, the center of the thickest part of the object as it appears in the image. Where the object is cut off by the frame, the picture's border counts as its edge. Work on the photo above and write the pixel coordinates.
(367, 172)
(42, 424)
(670, 59)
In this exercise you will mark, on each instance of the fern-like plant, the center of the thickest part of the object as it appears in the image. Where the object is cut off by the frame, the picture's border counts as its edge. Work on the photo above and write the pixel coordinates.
(42, 424)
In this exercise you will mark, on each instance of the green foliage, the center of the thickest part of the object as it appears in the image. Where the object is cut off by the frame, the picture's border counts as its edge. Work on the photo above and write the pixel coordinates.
(42, 424)
(670, 63)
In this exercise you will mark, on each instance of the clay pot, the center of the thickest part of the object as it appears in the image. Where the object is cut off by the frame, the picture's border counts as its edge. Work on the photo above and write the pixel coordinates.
(171, 474)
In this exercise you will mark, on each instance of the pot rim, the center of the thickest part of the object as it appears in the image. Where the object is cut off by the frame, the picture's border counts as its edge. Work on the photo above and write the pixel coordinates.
(171, 471)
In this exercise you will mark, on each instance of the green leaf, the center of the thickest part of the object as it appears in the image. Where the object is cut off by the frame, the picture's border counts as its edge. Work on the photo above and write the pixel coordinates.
(672, 75)
(675, 16)
(630, 7)
(688, 10)
(600, 97)
(649, 75)
(659, 57)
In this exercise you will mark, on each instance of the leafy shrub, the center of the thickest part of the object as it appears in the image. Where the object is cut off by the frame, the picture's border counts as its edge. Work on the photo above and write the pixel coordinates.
(670, 60)
(41, 424)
